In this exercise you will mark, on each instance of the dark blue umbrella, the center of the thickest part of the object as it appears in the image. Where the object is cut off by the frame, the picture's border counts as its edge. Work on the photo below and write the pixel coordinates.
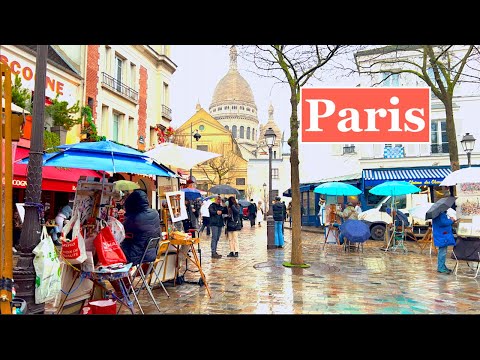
(355, 230)
(191, 193)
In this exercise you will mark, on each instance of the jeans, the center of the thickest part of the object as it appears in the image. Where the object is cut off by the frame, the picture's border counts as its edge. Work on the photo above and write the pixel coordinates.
(216, 232)
(205, 224)
(442, 256)
(341, 238)
(278, 233)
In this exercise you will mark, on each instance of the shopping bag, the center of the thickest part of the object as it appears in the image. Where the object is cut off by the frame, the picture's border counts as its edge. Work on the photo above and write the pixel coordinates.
(117, 229)
(107, 248)
(47, 269)
(74, 250)
(107, 306)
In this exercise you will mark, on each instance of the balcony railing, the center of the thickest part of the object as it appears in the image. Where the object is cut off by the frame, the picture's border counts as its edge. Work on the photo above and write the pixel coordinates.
(440, 148)
(349, 149)
(119, 87)
(166, 112)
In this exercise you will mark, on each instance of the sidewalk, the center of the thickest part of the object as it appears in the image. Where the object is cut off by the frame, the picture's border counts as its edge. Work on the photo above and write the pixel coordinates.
(312, 229)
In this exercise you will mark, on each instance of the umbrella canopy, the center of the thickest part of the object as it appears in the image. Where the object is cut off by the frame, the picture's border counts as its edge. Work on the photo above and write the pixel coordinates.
(191, 193)
(224, 189)
(244, 202)
(440, 206)
(337, 188)
(106, 162)
(15, 108)
(125, 185)
(465, 175)
(394, 188)
(420, 211)
(179, 156)
(206, 198)
(355, 230)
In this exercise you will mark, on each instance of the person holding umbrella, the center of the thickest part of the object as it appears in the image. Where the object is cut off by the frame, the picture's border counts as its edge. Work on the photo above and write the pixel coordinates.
(443, 238)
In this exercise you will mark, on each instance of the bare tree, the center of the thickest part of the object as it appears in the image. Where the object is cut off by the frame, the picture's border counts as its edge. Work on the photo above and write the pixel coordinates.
(441, 67)
(293, 65)
(249, 191)
(181, 139)
(221, 170)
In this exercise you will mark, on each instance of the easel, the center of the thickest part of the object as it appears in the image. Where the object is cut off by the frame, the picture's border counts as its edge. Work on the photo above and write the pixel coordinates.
(331, 220)
(427, 240)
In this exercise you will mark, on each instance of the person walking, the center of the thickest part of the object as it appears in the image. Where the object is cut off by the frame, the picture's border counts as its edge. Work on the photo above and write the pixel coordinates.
(216, 211)
(443, 238)
(321, 211)
(252, 212)
(284, 216)
(259, 218)
(233, 226)
(289, 212)
(278, 216)
(205, 217)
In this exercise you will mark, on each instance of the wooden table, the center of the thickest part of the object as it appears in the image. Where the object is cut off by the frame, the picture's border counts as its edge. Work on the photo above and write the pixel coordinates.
(196, 261)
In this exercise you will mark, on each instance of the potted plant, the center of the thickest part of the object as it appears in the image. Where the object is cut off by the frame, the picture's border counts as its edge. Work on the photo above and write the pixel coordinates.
(62, 117)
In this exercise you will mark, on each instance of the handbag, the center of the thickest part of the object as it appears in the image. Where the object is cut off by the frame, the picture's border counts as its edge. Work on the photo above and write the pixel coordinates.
(74, 250)
(107, 248)
(47, 269)
(233, 225)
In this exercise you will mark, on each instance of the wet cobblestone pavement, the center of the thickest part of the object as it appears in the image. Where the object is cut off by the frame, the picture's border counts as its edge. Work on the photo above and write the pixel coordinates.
(338, 282)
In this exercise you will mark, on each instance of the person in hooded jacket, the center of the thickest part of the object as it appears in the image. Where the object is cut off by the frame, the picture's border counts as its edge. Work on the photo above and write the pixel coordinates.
(141, 223)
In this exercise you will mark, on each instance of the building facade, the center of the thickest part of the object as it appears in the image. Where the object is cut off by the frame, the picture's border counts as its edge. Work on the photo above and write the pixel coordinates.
(230, 168)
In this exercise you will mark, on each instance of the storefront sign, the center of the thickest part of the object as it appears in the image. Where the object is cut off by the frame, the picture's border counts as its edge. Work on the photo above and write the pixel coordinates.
(55, 84)
(365, 115)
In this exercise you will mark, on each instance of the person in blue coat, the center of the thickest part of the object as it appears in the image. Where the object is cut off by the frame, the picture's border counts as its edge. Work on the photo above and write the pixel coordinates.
(443, 238)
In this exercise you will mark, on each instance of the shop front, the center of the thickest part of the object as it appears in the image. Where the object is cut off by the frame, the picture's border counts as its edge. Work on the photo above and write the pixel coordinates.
(427, 178)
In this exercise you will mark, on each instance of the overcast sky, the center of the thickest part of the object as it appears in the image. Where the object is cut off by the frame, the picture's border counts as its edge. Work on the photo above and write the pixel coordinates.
(200, 68)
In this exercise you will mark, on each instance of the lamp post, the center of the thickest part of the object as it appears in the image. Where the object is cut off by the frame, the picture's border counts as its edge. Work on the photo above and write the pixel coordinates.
(24, 272)
(270, 141)
(197, 137)
(265, 201)
(468, 143)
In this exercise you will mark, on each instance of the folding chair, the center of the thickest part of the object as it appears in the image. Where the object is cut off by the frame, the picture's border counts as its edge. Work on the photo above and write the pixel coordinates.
(160, 264)
(153, 243)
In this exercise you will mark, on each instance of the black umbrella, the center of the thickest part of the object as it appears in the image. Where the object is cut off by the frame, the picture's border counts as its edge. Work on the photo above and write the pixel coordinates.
(224, 189)
(440, 206)
(244, 202)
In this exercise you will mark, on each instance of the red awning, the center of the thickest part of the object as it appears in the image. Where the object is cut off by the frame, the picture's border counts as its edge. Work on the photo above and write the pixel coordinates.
(53, 178)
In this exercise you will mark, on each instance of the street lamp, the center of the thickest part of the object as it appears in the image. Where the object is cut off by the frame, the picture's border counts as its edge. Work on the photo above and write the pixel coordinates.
(270, 141)
(468, 143)
(265, 200)
(197, 137)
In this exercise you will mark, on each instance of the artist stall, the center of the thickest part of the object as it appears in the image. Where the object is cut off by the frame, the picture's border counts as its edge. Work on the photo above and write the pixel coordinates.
(467, 247)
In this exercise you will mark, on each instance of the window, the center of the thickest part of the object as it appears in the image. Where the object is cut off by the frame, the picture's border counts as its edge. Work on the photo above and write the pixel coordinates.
(115, 127)
(390, 79)
(240, 181)
(153, 136)
(226, 127)
(253, 134)
(431, 75)
(248, 109)
(131, 130)
(242, 107)
(118, 72)
(349, 149)
(166, 94)
(372, 199)
(439, 140)
(242, 132)
(393, 152)
(108, 61)
(234, 131)
(248, 132)
(275, 154)
(202, 147)
(275, 174)
(201, 127)
(220, 108)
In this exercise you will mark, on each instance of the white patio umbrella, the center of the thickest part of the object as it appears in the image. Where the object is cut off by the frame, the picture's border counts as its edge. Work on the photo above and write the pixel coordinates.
(15, 108)
(179, 156)
(470, 174)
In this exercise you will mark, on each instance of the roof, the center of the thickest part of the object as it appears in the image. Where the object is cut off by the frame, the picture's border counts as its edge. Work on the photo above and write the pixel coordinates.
(416, 176)
(386, 50)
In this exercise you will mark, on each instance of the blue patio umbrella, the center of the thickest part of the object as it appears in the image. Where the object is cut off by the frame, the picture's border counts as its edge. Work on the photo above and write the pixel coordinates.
(337, 189)
(355, 230)
(191, 193)
(394, 188)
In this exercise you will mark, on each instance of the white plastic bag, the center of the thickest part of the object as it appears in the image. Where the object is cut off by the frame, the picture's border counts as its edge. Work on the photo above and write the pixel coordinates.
(117, 229)
(47, 269)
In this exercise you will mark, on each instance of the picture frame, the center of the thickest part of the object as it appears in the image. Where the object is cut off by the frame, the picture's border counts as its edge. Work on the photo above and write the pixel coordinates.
(176, 205)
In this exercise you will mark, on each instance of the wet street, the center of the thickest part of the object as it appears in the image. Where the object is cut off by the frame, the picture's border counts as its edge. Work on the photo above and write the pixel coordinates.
(338, 282)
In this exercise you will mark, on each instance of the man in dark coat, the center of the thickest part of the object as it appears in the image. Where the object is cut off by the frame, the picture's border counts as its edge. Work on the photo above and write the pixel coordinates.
(216, 211)
(252, 212)
(141, 223)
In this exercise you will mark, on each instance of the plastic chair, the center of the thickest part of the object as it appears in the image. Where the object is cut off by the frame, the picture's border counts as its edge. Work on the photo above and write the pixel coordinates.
(153, 243)
(160, 264)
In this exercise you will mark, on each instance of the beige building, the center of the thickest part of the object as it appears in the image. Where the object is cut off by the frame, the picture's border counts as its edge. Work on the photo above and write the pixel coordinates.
(128, 89)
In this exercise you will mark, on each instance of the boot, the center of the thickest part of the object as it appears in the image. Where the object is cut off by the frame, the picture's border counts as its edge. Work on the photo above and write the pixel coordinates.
(236, 254)
(231, 254)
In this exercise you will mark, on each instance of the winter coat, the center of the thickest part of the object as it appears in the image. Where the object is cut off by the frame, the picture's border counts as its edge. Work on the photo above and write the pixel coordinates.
(442, 231)
(252, 210)
(278, 211)
(234, 215)
(348, 213)
(215, 219)
(143, 223)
